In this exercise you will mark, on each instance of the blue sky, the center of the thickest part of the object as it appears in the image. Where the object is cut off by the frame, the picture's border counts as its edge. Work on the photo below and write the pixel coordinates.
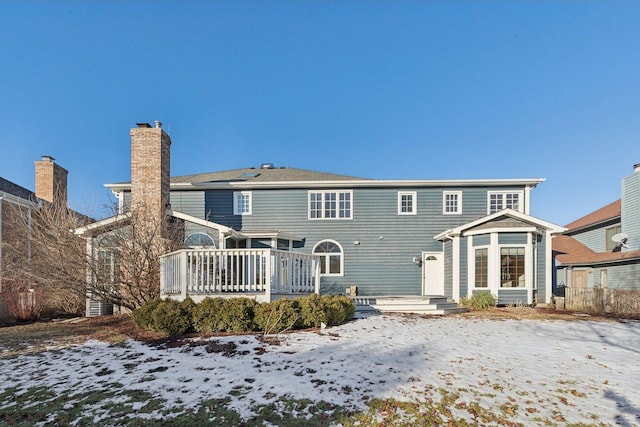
(377, 89)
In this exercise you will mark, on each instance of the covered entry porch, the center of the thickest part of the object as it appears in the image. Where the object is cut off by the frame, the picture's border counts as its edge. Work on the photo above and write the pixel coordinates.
(261, 274)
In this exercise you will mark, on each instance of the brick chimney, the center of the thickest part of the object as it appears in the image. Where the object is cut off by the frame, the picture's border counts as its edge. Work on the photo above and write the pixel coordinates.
(150, 169)
(51, 181)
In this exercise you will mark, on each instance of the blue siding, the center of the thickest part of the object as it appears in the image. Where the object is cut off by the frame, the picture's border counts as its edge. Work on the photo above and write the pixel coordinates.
(448, 268)
(382, 263)
(481, 240)
(512, 296)
(464, 267)
(512, 238)
(188, 202)
(541, 283)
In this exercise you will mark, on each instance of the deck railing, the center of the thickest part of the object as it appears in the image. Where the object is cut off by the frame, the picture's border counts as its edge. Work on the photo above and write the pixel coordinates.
(222, 271)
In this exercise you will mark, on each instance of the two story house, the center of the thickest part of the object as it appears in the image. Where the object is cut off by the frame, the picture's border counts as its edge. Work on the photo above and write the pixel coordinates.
(16, 203)
(339, 234)
(602, 248)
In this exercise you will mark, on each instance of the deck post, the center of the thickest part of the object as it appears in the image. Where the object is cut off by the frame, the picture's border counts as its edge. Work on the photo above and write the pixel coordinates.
(316, 264)
(269, 278)
(184, 276)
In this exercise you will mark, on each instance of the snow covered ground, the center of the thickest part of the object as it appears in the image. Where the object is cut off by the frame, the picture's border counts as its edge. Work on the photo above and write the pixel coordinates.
(568, 371)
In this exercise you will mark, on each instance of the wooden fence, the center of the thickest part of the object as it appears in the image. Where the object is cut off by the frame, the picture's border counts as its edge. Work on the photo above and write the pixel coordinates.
(603, 300)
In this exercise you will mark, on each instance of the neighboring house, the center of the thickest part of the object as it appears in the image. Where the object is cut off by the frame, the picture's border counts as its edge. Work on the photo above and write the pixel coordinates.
(602, 249)
(17, 201)
(371, 237)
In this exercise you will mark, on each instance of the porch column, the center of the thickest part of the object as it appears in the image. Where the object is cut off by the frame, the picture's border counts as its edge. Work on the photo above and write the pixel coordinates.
(455, 267)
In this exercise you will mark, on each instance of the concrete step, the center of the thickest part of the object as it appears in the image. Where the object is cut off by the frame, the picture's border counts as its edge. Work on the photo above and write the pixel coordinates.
(428, 304)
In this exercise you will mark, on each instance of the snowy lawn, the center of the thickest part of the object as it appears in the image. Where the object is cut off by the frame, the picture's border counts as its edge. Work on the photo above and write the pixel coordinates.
(390, 369)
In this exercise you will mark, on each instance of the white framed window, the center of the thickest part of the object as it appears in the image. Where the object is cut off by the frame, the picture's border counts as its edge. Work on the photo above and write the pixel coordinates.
(108, 268)
(452, 202)
(481, 268)
(331, 258)
(242, 202)
(609, 232)
(407, 201)
(330, 204)
(499, 200)
(199, 240)
(512, 267)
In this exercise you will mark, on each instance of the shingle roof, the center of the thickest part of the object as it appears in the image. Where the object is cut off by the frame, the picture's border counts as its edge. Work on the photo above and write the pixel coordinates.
(570, 251)
(276, 174)
(7, 186)
(611, 211)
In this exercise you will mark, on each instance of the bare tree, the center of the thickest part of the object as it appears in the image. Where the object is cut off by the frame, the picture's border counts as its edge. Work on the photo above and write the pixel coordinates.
(65, 257)
(40, 255)
(124, 261)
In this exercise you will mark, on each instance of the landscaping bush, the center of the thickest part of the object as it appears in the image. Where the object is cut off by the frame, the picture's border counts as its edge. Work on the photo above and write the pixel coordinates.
(277, 316)
(209, 316)
(142, 316)
(479, 301)
(242, 314)
(239, 315)
(330, 310)
(312, 311)
(171, 317)
(340, 309)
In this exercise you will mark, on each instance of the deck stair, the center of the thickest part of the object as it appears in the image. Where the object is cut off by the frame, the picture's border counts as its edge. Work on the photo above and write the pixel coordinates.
(427, 304)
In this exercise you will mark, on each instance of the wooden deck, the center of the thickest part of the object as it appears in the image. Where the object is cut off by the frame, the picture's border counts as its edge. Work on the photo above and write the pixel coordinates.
(260, 274)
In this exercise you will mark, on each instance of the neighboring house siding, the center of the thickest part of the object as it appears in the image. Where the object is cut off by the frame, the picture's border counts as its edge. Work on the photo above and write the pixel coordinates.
(595, 238)
(631, 210)
(619, 276)
(626, 276)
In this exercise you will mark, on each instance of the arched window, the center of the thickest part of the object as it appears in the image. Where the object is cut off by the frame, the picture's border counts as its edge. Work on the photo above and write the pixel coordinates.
(331, 259)
(198, 240)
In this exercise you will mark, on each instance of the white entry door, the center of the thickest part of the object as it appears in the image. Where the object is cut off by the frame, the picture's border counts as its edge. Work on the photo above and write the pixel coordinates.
(432, 273)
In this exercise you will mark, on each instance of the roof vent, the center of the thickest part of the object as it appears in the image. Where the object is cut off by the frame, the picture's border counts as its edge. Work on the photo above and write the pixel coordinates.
(267, 166)
(158, 124)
